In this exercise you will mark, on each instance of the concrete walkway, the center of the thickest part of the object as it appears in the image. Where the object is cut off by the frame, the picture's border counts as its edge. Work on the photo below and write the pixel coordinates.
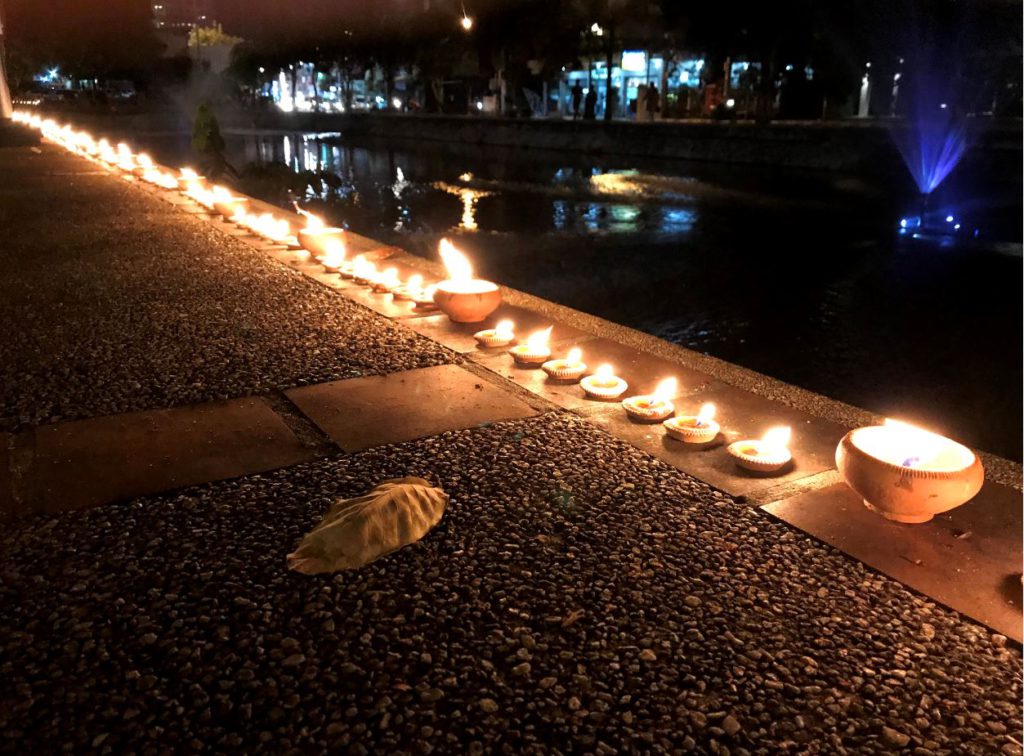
(582, 593)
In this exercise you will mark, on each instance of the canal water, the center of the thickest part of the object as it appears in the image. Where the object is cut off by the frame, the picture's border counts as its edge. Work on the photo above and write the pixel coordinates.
(798, 275)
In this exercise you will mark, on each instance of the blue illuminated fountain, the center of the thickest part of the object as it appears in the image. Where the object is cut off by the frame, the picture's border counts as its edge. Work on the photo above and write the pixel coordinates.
(932, 142)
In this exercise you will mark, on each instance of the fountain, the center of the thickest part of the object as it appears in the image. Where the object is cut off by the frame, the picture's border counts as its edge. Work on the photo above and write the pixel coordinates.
(932, 141)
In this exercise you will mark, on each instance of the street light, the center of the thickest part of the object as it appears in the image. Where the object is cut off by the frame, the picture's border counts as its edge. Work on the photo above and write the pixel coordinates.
(466, 22)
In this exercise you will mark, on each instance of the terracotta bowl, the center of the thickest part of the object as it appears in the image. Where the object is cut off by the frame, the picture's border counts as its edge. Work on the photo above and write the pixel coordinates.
(315, 242)
(908, 494)
(462, 307)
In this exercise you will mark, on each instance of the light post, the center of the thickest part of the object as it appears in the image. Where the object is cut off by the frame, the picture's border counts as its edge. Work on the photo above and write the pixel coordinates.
(5, 93)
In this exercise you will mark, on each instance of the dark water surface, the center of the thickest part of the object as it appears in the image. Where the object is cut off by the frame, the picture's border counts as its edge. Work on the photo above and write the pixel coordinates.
(797, 275)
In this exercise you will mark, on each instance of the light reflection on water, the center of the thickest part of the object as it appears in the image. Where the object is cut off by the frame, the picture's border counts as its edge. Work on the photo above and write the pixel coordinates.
(798, 276)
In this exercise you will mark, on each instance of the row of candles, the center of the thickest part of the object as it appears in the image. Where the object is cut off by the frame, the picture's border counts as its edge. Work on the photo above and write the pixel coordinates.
(903, 472)
(767, 454)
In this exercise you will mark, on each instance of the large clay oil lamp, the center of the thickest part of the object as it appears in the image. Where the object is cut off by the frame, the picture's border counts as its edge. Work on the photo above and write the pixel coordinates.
(908, 474)
(503, 334)
(655, 407)
(768, 454)
(314, 237)
(334, 257)
(535, 352)
(410, 289)
(568, 369)
(461, 297)
(604, 384)
(694, 429)
(226, 203)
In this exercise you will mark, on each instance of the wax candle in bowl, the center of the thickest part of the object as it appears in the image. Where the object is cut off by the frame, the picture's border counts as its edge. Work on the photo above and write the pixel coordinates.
(604, 384)
(694, 429)
(386, 281)
(501, 335)
(908, 474)
(363, 272)
(568, 369)
(461, 297)
(654, 407)
(424, 300)
(226, 203)
(410, 289)
(535, 352)
(770, 453)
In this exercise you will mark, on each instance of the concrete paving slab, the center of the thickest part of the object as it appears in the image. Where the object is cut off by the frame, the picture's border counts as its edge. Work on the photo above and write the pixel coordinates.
(459, 336)
(372, 411)
(968, 559)
(741, 415)
(90, 462)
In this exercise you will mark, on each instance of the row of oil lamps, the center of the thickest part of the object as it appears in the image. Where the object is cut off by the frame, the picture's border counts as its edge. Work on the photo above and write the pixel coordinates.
(904, 473)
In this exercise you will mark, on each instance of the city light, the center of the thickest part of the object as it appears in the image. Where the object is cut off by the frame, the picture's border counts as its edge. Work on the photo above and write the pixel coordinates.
(467, 23)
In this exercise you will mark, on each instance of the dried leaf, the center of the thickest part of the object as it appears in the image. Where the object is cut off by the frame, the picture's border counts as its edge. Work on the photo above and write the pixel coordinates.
(355, 532)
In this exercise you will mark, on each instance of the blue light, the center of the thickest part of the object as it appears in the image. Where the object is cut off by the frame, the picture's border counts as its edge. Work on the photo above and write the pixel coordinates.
(956, 227)
(903, 223)
(949, 219)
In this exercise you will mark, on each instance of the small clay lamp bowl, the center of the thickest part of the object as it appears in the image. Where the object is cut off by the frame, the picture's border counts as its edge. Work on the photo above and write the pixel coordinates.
(410, 289)
(765, 455)
(424, 300)
(386, 282)
(568, 369)
(501, 335)
(693, 429)
(906, 474)
(648, 409)
(535, 352)
(315, 240)
(604, 384)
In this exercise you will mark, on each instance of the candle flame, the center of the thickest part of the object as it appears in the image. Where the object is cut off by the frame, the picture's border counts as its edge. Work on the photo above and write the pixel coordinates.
(505, 328)
(539, 341)
(415, 282)
(313, 222)
(334, 254)
(777, 438)
(605, 371)
(458, 266)
(666, 390)
(910, 443)
(706, 414)
(575, 356)
(144, 160)
(390, 277)
(187, 174)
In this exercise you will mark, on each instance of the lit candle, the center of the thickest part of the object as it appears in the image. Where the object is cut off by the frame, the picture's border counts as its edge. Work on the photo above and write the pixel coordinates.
(535, 351)
(363, 271)
(501, 335)
(334, 256)
(226, 203)
(604, 384)
(143, 163)
(410, 289)
(424, 300)
(767, 454)
(386, 281)
(694, 429)
(570, 369)
(461, 297)
(314, 237)
(908, 474)
(653, 407)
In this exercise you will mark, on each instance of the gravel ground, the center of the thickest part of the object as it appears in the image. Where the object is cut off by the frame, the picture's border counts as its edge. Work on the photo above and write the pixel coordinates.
(578, 596)
(147, 307)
